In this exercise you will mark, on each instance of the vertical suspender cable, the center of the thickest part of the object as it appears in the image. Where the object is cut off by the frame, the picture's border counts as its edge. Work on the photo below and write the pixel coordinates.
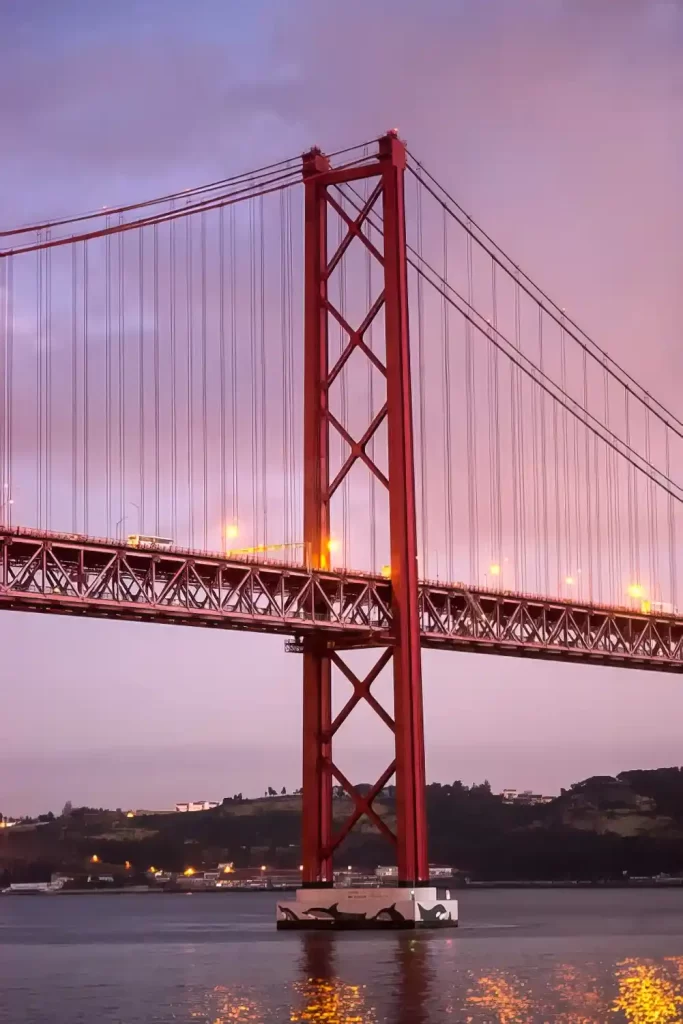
(252, 374)
(233, 363)
(157, 388)
(262, 368)
(74, 388)
(521, 450)
(205, 450)
(9, 380)
(221, 364)
(634, 576)
(284, 366)
(544, 462)
(189, 292)
(86, 394)
(446, 393)
(497, 500)
(372, 480)
(141, 377)
(122, 377)
(173, 328)
(5, 496)
(589, 495)
(48, 386)
(537, 473)
(424, 473)
(39, 386)
(471, 409)
(568, 546)
(673, 587)
(343, 394)
(107, 380)
(514, 439)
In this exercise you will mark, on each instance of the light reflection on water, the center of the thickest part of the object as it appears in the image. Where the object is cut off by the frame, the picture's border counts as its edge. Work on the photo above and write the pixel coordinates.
(632, 991)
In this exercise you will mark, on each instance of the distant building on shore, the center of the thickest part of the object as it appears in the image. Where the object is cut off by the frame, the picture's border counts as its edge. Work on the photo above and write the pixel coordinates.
(526, 797)
(196, 805)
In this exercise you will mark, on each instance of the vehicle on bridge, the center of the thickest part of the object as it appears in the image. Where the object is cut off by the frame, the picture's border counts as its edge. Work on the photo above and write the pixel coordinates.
(137, 540)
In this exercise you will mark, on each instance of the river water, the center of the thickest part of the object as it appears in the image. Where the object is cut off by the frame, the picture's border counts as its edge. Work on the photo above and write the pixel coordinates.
(519, 957)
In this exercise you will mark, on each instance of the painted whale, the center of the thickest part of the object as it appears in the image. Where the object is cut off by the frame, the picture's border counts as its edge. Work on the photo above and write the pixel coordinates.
(388, 914)
(437, 913)
(333, 913)
(288, 914)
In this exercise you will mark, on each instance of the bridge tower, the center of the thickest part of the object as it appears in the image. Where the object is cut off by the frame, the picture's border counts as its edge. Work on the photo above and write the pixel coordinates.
(385, 174)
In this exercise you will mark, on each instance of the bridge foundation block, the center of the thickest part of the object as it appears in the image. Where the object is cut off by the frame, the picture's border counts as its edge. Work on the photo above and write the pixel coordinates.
(332, 909)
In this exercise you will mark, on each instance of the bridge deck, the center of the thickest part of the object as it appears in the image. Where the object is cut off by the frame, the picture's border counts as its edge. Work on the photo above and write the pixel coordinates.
(76, 575)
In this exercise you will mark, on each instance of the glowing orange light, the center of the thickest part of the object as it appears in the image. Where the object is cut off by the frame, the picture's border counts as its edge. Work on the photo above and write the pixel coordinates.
(228, 869)
(94, 859)
(263, 867)
(333, 544)
(188, 872)
(130, 814)
(127, 865)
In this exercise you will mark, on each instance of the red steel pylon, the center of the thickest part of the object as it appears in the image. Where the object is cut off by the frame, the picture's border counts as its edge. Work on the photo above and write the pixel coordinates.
(386, 198)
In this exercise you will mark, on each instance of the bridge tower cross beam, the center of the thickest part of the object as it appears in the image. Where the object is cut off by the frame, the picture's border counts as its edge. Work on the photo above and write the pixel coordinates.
(386, 174)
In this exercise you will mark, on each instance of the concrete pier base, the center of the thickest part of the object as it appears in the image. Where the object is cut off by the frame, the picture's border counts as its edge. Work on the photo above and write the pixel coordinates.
(385, 908)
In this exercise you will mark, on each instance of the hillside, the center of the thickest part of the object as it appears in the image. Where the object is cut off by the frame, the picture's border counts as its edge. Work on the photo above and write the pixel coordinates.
(601, 827)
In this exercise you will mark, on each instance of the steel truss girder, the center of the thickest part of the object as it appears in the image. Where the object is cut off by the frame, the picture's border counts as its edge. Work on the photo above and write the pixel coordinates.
(73, 575)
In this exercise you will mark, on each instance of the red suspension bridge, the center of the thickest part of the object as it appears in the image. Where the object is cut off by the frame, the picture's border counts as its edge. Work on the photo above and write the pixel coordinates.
(377, 432)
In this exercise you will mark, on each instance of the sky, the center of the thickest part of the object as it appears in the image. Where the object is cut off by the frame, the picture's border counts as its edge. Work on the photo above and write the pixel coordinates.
(559, 125)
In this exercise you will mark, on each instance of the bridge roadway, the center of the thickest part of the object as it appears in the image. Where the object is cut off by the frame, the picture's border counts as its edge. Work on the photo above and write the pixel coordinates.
(75, 575)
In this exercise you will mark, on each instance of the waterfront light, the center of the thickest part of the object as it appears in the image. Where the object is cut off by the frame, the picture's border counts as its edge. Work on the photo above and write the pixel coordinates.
(188, 872)
(263, 867)
(94, 859)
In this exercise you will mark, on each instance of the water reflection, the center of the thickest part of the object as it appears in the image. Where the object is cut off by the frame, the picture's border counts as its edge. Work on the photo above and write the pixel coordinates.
(634, 991)
(648, 994)
(322, 997)
(422, 981)
(502, 996)
(415, 981)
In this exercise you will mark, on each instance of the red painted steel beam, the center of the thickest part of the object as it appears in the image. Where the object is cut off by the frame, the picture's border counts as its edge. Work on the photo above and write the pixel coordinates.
(388, 172)
(317, 673)
(413, 864)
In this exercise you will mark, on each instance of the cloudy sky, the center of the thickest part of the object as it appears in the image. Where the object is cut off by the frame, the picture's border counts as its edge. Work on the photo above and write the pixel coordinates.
(558, 124)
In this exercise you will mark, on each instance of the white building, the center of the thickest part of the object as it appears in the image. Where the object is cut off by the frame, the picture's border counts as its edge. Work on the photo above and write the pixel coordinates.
(197, 805)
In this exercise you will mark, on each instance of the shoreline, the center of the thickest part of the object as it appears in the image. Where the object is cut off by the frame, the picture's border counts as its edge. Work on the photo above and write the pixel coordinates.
(633, 883)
